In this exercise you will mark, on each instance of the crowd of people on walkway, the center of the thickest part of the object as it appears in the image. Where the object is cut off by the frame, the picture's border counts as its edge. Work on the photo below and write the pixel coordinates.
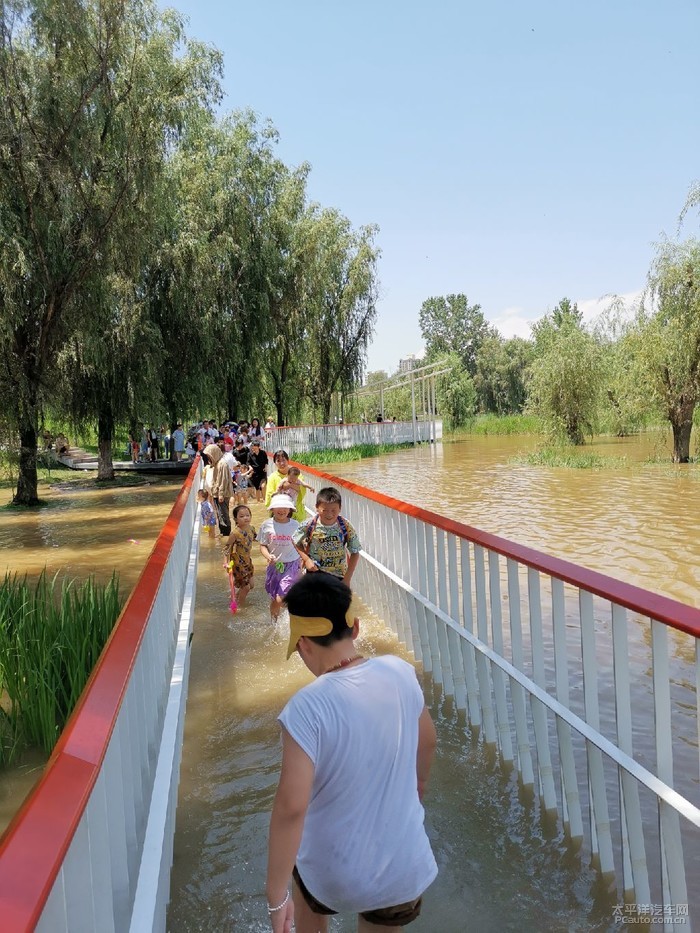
(153, 443)
(346, 831)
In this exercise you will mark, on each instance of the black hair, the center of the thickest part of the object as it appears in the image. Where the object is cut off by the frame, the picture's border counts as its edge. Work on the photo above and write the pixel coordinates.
(322, 594)
(280, 453)
(238, 509)
(329, 494)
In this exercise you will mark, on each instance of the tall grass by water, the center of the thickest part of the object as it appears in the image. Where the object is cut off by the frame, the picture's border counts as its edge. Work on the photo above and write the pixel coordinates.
(338, 455)
(51, 636)
(499, 424)
(572, 458)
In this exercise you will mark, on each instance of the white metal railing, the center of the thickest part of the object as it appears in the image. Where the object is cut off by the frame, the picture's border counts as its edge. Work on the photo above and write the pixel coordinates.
(91, 847)
(322, 436)
(587, 686)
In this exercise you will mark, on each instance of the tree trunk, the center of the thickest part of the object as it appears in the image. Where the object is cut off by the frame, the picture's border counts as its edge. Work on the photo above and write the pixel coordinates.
(278, 400)
(105, 433)
(230, 400)
(279, 408)
(27, 479)
(681, 419)
(574, 432)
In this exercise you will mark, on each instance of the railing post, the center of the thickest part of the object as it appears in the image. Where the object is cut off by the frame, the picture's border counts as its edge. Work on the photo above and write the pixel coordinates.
(571, 798)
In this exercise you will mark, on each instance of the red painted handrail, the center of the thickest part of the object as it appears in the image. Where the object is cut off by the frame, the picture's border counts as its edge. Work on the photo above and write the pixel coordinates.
(671, 612)
(33, 846)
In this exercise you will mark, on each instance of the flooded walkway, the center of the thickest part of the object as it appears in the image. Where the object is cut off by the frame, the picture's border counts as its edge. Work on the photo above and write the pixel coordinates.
(500, 864)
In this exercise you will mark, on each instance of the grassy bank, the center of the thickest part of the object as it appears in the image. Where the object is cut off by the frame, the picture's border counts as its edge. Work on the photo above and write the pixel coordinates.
(338, 455)
(50, 639)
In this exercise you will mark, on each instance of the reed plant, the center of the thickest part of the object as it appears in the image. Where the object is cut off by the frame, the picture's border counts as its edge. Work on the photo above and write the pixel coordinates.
(498, 424)
(51, 636)
(338, 455)
(570, 458)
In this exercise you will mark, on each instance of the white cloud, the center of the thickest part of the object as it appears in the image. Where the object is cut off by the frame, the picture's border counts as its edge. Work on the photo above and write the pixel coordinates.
(590, 308)
(515, 321)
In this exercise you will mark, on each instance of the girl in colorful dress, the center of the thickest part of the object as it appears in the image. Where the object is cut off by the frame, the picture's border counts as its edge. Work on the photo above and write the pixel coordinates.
(239, 562)
(277, 547)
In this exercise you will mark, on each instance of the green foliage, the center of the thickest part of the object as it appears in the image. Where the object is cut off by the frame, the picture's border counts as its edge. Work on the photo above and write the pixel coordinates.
(565, 384)
(501, 424)
(157, 262)
(501, 374)
(94, 97)
(456, 394)
(50, 640)
(663, 344)
(451, 325)
(340, 289)
(623, 408)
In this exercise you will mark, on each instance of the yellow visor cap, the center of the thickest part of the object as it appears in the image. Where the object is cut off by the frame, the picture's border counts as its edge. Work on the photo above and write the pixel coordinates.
(314, 625)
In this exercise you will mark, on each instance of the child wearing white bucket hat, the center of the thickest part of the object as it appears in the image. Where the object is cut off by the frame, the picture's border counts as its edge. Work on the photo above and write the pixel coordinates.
(277, 547)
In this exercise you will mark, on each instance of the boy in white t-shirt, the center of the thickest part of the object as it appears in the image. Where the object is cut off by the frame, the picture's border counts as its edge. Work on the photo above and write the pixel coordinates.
(357, 745)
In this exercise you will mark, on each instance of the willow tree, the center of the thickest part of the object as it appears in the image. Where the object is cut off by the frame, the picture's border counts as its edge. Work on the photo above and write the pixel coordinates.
(255, 216)
(664, 342)
(110, 367)
(565, 376)
(340, 301)
(93, 98)
(288, 248)
(502, 368)
(217, 276)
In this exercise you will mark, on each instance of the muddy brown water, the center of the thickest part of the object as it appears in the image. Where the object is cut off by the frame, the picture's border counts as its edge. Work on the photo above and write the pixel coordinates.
(501, 867)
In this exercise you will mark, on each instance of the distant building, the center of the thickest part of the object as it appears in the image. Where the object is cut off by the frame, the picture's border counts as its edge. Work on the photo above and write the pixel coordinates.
(409, 362)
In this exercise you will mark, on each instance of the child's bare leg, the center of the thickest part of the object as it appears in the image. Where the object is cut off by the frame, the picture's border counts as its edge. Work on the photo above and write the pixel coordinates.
(241, 594)
(275, 607)
(305, 920)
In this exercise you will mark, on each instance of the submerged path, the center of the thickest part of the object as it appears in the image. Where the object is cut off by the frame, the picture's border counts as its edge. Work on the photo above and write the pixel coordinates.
(501, 867)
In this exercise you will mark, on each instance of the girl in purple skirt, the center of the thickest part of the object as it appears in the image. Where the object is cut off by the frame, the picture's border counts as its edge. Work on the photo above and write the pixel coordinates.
(277, 547)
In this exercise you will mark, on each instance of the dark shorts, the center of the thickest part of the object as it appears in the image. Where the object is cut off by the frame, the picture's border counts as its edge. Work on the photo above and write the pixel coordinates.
(257, 480)
(396, 916)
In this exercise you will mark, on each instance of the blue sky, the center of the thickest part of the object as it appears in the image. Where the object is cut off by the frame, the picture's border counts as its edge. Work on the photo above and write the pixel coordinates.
(516, 152)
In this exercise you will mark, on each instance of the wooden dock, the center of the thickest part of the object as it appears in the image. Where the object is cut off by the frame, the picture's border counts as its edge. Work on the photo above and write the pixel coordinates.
(78, 459)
